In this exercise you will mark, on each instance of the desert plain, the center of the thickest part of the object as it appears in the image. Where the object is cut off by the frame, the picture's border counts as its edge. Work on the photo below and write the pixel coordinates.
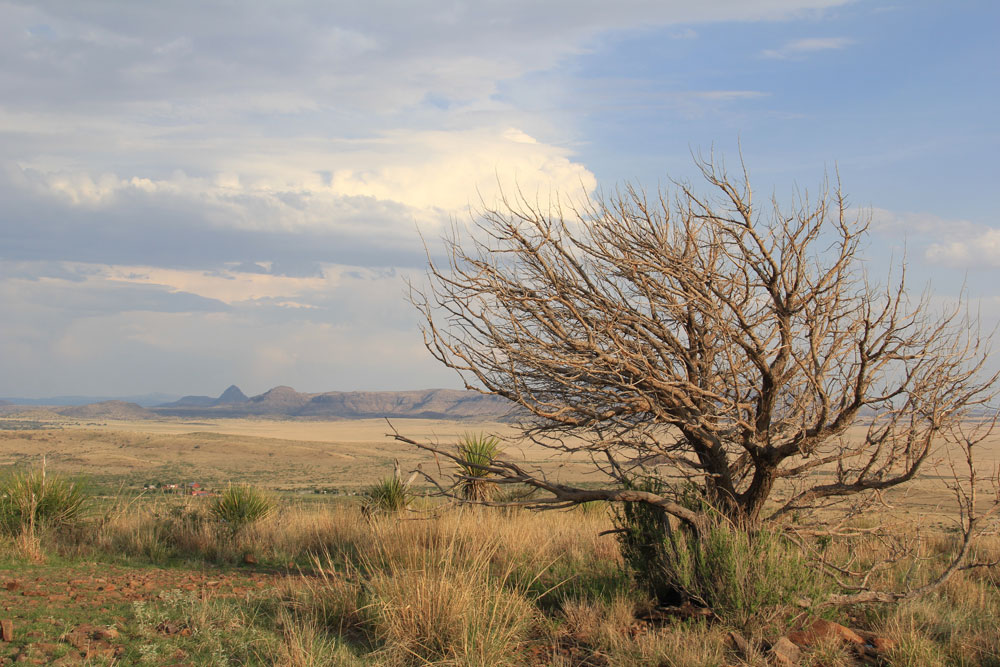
(153, 578)
(340, 456)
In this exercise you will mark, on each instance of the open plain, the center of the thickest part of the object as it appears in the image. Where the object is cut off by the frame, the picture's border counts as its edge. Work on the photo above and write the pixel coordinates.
(146, 577)
(344, 455)
(278, 454)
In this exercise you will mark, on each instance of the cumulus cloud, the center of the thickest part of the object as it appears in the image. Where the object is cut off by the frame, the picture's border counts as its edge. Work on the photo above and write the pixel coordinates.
(194, 195)
(977, 250)
(952, 243)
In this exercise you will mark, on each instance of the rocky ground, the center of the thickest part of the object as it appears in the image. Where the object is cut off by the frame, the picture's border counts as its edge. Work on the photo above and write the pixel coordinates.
(100, 614)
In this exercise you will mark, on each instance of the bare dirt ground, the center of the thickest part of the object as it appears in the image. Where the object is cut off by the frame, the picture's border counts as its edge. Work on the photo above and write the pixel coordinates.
(88, 613)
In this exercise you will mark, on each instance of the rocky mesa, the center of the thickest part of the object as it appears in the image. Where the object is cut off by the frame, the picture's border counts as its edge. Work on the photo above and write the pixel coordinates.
(284, 401)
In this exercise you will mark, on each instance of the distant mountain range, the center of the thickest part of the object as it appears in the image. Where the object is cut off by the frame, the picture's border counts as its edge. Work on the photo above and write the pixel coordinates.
(286, 402)
(231, 396)
(145, 400)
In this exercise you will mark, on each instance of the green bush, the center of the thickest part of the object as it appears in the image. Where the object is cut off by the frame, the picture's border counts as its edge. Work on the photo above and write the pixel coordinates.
(387, 496)
(33, 498)
(643, 530)
(477, 450)
(747, 577)
(241, 505)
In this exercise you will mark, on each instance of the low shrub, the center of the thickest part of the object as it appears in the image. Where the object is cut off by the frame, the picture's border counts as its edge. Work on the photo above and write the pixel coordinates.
(747, 577)
(477, 450)
(389, 495)
(33, 498)
(241, 505)
(642, 531)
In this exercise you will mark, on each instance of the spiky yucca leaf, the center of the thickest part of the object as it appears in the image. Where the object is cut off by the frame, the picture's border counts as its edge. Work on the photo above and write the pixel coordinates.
(241, 505)
(32, 497)
(477, 450)
(388, 496)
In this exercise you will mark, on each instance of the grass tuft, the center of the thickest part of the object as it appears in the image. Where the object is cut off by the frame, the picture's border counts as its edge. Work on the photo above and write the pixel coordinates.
(32, 498)
(389, 495)
(477, 450)
(242, 505)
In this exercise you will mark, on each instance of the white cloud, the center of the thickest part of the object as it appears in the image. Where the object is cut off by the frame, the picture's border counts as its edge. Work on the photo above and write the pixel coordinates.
(980, 249)
(431, 175)
(148, 154)
(944, 242)
(909, 223)
(102, 329)
(802, 47)
(686, 33)
(230, 287)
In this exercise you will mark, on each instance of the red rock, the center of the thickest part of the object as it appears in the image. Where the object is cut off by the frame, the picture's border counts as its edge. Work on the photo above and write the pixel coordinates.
(783, 652)
(740, 643)
(821, 630)
(876, 644)
(883, 644)
(99, 652)
(11, 585)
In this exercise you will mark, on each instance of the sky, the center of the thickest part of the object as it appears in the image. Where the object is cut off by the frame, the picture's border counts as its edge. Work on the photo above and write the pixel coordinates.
(195, 194)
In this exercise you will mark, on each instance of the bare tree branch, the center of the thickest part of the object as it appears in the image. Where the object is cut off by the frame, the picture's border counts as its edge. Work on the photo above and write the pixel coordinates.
(732, 341)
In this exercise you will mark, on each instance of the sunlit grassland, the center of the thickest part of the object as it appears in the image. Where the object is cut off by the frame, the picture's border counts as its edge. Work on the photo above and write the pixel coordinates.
(438, 584)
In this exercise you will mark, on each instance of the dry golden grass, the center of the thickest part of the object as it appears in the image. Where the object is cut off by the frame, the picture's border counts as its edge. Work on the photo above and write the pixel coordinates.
(280, 454)
(477, 586)
(457, 586)
(344, 454)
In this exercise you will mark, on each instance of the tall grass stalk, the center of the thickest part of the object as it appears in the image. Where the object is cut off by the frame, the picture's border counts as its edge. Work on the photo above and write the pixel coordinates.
(445, 602)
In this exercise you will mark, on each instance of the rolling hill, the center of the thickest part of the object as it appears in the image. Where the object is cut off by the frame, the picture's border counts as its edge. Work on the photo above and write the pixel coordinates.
(284, 401)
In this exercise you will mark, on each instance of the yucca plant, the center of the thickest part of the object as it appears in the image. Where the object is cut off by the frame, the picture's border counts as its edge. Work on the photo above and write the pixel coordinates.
(32, 498)
(241, 505)
(389, 495)
(477, 450)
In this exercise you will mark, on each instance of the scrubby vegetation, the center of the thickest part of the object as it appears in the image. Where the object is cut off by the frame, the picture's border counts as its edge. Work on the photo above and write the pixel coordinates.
(32, 498)
(242, 505)
(476, 452)
(328, 585)
(389, 495)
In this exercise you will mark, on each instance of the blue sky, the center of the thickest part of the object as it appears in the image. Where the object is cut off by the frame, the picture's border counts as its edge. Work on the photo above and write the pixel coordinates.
(196, 194)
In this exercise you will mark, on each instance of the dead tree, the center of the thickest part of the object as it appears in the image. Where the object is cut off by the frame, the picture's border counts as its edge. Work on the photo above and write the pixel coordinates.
(732, 343)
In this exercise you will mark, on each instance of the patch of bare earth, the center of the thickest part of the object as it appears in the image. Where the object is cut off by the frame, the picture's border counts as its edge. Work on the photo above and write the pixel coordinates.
(76, 614)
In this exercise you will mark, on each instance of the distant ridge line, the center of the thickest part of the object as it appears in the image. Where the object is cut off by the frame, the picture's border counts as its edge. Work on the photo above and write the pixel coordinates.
(286, 402)
(283, 401)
